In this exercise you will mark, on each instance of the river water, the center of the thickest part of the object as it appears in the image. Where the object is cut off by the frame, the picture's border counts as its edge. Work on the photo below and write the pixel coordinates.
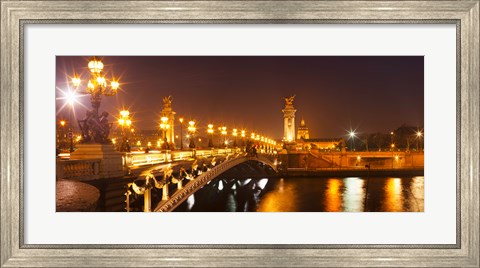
(310, 194)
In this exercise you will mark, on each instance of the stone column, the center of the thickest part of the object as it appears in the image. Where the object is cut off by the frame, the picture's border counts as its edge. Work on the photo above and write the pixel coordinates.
(289, 120)
(168, 112)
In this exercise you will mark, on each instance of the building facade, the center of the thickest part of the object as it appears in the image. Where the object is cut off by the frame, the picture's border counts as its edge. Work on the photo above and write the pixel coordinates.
(302, 132)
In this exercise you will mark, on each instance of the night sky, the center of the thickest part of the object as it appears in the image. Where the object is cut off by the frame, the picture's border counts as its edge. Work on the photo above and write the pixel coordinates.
(333, 94)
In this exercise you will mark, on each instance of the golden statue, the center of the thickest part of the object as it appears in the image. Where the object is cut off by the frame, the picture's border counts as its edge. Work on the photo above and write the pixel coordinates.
(289, 100)
(167, 101)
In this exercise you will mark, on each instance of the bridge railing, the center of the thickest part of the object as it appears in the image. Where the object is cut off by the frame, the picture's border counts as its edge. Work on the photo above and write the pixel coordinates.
(78, 169)
(157, 157)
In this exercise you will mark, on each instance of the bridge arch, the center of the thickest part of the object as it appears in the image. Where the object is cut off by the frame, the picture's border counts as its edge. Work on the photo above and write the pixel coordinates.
(196, 184)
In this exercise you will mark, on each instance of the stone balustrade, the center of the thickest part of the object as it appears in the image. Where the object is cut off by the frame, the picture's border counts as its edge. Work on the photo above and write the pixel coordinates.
(84, 169)
(142, 159)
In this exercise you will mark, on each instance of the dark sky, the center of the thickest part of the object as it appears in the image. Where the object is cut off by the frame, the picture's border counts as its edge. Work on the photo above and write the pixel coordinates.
(333, 94)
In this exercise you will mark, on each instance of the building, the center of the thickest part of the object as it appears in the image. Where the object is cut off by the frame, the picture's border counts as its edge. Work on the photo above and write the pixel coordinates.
(302, 132)
(324, 144)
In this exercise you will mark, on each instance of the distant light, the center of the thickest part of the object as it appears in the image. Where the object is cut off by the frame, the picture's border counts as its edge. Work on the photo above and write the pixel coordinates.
(352, 134)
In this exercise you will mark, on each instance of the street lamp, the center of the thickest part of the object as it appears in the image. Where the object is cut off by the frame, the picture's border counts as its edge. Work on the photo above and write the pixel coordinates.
(235, 134)
(352, 137)
(210, 133)
(191, 130)
(224, 133)
(164, 125)
(391, 138)
(243, 139)
(393, 147)
(95, 128)
(62, 140)
(124, 121)
(181, 132)
(419, 135)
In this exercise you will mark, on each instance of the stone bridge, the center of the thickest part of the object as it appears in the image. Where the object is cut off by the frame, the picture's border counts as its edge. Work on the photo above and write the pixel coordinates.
(194, 185)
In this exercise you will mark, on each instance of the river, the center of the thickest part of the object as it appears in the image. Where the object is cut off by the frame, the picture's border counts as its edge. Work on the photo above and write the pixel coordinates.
(310, 194)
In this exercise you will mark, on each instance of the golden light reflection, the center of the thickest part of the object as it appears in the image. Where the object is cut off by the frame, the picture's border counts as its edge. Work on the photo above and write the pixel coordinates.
(283, 199)
(417, 196)
(333, 196)
(393, 200)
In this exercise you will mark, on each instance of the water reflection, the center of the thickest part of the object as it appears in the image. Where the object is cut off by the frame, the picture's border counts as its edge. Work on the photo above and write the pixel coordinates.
(393, 200)
(333, 196)
(310, 195)
(416, 186)
(282, 198)
(354, 195)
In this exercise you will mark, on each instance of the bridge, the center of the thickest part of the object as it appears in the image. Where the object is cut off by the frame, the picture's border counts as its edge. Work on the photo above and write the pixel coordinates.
(183, 193)
(133, 163)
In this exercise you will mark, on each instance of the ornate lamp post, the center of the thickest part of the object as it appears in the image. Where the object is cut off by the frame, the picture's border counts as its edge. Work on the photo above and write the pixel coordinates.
(191, 130)
(124, 121)
(62, 140)
(235, 134)
(181, 133)
(243, 138)
(224, 133)
(262, 142)
(95, 128)
(210, 134)
(164, 126)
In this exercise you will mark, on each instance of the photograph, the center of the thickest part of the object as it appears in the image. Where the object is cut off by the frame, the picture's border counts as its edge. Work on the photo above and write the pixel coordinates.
(239, 133)
(351, 129)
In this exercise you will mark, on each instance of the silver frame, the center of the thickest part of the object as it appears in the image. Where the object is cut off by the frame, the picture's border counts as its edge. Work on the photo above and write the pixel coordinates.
(15, 14)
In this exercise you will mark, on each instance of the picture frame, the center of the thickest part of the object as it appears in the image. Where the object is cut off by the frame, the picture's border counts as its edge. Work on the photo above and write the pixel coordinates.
(16, 14)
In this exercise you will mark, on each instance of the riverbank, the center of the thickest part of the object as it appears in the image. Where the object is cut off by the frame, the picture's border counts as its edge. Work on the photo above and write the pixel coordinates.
(354, 172)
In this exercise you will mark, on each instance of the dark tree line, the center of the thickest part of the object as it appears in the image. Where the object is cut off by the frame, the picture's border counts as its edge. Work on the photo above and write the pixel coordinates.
(404, 138)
